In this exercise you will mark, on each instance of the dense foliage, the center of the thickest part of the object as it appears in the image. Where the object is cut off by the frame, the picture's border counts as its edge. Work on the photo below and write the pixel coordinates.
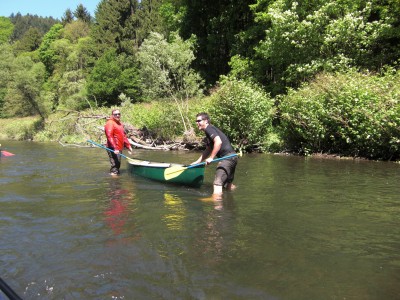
(6, 29)
(245, 113)
(303, 39)
(262, 62)
(353, 114)
(217, 26)
(111, 76)
(165, 72)
(23, 23)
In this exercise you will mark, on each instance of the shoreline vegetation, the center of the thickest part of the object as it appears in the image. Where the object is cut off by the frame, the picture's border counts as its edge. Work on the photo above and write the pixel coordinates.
(348, 115)
(318, 78)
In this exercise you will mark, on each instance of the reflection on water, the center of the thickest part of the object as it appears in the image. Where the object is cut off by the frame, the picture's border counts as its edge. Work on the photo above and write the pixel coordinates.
(295, 228)
(215, 236)
(117, 207)
(175, 216)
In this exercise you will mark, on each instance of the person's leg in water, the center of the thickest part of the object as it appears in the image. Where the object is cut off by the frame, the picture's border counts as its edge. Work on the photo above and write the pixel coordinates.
(115, 161)
(224, 176)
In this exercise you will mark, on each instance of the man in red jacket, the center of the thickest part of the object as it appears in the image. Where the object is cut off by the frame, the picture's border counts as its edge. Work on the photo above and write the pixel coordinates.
(116, 140)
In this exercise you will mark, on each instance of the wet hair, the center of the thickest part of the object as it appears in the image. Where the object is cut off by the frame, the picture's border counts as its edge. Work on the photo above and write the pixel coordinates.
(204, 116)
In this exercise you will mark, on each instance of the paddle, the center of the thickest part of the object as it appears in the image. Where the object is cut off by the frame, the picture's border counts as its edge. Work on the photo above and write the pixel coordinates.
(104, 147)
(175, 171)
(5, 288)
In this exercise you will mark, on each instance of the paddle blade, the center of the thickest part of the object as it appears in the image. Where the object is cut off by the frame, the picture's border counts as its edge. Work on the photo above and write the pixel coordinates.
(173, 172)
(6, 153)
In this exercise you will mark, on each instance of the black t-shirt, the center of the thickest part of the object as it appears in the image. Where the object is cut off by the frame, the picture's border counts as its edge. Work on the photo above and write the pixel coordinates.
(226, 147)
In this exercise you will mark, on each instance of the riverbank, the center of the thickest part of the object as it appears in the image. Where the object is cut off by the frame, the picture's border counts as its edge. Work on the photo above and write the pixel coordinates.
(337, 115)
(24, 129)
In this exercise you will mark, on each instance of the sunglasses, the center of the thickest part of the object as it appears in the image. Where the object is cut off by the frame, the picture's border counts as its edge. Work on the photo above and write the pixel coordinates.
(198, 121)
(116, 114)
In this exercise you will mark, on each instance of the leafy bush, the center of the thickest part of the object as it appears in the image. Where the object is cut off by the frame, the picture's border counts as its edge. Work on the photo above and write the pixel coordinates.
(245, 113)
(352, 114)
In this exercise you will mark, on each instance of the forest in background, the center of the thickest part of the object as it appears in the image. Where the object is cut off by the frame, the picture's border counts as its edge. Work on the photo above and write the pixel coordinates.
(277, 75)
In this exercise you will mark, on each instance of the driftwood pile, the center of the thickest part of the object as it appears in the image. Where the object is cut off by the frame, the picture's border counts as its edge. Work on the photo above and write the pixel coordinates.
(143, 138)
(139, 138)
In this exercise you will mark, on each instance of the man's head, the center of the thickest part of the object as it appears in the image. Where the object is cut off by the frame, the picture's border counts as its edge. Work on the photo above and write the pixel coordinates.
(202, 120)
(116, 114)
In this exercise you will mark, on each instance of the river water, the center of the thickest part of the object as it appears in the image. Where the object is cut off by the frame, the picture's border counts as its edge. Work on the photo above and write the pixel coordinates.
(295, 228)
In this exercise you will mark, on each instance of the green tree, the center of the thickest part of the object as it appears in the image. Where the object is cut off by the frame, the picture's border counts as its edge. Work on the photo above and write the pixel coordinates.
(68, 17)
(86, 54)
(386, 51)
(67, 85)
(68, 54)
(71, 89)
(23, 94)
(6, 65)
(115, 26)
(75, 30)
(149, 19)
(172, 13)
(216, 25)
(111, 76)
(6, 29)
(304, 39)
(23, 23)
(165, 72)
(47, 53)
(82, 14)
(129, 78)
(29, 42)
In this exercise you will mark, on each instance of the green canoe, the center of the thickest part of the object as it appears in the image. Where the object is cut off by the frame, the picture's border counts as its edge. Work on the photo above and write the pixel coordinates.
(166, 172)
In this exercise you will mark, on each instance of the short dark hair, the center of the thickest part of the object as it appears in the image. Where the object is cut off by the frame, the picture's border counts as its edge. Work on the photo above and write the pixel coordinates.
(204, 116)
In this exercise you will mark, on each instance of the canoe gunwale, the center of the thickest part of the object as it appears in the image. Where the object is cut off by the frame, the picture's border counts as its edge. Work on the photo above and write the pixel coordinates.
(152, 164)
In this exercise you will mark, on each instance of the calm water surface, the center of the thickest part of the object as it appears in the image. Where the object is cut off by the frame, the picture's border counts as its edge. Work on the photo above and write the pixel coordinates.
(295, 228)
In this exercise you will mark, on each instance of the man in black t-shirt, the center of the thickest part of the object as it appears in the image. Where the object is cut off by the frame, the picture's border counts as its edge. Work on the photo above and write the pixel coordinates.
(217, 145)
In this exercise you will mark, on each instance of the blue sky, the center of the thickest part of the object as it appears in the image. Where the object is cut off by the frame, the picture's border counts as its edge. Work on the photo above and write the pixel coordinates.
(44, 8)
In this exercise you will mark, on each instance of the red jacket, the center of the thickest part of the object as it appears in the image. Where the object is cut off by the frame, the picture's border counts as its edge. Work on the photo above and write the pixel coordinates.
(116, 138)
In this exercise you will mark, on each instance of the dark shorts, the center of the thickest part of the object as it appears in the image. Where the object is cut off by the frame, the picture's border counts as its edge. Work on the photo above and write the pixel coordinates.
(225, 172)
(115, 161)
